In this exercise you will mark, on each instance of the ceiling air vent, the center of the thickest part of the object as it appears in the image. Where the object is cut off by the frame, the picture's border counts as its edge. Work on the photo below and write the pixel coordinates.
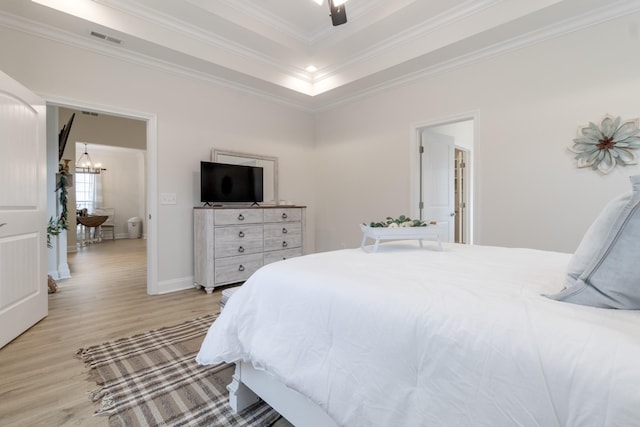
(106, 38)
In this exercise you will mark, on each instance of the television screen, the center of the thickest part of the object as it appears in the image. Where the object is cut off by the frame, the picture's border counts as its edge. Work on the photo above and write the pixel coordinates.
(226, 183)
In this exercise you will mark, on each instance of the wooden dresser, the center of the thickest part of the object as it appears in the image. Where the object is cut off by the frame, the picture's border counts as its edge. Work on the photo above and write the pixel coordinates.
(231, 243)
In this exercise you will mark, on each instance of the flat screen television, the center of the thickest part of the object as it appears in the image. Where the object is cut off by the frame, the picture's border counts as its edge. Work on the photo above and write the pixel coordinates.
(226, 183)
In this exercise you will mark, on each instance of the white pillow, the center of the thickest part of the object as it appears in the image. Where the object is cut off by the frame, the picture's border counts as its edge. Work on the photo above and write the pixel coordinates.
(605, 269)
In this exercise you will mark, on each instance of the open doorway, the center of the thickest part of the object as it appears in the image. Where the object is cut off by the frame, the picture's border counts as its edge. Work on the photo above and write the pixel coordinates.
(146, 153)
(114, 187)
(107, 156)
(443, 173)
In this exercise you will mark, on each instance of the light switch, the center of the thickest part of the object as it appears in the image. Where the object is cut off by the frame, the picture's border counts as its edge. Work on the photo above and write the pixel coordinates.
(167, 198)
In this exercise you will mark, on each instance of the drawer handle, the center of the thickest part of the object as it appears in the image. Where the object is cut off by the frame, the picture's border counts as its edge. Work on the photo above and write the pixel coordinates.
(240, 249)
(241, 268)
(284, 244)
(241, 234)
(240, 217)
(284, 230)
(284, 215)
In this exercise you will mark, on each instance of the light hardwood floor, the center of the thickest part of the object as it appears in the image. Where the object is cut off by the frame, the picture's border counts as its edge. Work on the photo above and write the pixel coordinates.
(42, 383)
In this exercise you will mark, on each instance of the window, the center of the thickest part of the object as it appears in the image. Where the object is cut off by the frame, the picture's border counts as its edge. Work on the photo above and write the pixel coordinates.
(86, 191)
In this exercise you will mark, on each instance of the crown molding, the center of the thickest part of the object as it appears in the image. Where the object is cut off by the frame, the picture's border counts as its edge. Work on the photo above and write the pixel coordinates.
(47, 32)
(309, 38)
(617, 9)
(449, 17)
(309, 103)
(172, 24)
(268, 18)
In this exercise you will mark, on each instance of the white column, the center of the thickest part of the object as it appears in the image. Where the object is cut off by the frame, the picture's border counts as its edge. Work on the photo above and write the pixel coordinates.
(57, 265)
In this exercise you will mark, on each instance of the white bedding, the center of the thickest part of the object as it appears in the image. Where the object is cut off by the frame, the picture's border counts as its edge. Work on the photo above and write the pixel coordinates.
(416, 337)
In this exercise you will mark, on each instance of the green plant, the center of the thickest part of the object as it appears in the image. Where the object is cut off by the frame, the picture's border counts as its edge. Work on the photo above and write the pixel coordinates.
(401, 221)
(56, 225)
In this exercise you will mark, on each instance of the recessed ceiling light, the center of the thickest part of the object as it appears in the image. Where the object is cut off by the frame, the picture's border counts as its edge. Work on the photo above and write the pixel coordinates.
(312, 68)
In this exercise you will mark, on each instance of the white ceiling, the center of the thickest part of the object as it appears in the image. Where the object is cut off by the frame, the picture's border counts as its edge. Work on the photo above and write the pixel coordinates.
(263, 46)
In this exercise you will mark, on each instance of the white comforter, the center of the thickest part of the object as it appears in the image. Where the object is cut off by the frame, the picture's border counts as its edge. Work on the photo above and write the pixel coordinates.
(416, 337)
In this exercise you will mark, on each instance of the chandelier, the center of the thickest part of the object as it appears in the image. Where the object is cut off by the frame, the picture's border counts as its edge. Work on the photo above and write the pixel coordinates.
(85, 165)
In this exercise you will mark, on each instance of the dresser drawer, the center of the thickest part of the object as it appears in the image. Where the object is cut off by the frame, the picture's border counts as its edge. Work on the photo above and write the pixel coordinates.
(238, 216)
(282, 214)
(286, 241)
(274, 256)
(236, 269)
(282, 230)
(238, 240)
(231, 243)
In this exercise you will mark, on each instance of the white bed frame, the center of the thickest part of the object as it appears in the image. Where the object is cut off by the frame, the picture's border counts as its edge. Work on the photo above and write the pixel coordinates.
(249, 385)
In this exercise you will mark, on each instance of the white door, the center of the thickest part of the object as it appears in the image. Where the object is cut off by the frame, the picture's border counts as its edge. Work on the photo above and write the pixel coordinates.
(438, 200)
(23, 239)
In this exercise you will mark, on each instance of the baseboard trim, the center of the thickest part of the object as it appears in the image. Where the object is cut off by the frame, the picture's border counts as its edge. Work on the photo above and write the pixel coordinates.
(174, 285)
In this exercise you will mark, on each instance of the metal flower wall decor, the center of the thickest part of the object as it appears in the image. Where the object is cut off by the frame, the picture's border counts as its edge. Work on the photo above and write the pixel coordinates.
(605, 146)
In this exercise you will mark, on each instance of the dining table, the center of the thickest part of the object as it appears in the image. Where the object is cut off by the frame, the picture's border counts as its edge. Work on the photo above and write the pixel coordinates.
(90, 228)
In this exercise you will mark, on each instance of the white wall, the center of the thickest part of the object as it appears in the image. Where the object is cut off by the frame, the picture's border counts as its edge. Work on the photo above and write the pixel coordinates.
(529, 104)
(193, 117)
(122, 183)
(104, 129)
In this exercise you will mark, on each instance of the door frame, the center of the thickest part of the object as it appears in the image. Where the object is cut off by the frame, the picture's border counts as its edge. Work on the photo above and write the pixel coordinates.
(414, 165)
(153, 286)
(463, 182)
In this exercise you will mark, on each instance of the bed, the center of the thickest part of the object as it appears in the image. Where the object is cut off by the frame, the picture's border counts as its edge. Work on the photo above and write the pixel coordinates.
(466, 336)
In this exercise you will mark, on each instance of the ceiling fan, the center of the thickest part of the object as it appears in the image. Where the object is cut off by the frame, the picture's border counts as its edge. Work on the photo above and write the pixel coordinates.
(338, 12)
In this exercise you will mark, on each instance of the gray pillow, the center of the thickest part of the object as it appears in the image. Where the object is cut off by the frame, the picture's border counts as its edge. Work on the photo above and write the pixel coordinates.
(605, 269)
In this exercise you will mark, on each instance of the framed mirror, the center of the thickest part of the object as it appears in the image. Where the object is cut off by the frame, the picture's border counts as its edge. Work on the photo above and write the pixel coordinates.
(268, 164)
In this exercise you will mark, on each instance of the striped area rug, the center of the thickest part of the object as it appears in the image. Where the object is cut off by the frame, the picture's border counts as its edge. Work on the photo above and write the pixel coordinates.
(152, 379)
